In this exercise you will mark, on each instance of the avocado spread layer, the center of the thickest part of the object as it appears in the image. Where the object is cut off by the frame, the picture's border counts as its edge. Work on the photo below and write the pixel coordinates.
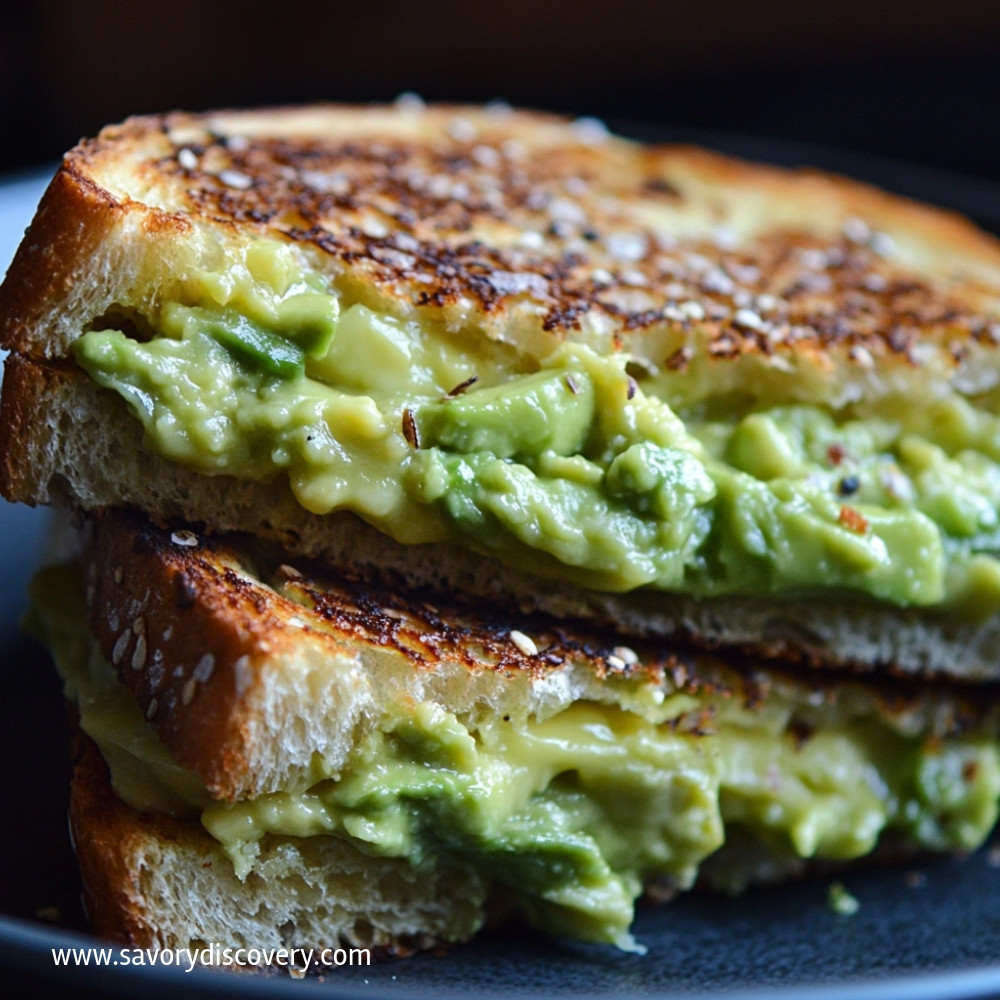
(574, 813)
(570, 465)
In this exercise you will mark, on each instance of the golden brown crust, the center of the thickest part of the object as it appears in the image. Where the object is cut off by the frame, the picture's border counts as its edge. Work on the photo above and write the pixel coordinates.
(532, 230)
(73, 218)
(156, 621)
(105, 832)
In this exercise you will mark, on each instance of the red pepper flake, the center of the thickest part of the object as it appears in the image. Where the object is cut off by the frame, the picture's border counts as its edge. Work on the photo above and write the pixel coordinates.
(678, 361)
(851, 519)
(462, 386)
(410, 431)
(835, 453)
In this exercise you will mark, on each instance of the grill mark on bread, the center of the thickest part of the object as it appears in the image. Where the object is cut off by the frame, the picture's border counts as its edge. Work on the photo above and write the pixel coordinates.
(396, 213)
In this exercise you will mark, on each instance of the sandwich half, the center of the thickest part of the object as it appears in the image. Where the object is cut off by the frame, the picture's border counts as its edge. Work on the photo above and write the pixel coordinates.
(276, 754)
(502, 354)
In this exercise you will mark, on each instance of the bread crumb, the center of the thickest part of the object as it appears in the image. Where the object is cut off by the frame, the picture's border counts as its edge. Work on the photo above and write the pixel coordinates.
(841, 901)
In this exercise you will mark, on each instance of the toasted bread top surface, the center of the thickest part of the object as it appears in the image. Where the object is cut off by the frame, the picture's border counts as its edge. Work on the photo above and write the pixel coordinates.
(533, 229)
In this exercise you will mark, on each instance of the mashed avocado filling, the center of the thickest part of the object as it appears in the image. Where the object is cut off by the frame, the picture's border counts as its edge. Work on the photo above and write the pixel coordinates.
(573, 813)
(564, 465)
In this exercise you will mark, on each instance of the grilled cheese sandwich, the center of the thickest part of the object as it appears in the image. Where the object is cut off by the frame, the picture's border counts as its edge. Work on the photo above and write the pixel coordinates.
(468, 498)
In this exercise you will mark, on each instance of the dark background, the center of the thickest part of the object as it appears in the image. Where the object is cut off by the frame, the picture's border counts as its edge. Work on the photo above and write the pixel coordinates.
(899, 78)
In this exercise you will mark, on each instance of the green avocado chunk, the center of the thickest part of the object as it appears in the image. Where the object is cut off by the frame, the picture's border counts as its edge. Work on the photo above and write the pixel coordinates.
(542, 412)
(249, 343)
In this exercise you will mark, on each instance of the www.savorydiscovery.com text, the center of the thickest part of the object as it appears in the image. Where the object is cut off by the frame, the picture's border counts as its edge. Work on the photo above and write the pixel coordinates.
(214, 956)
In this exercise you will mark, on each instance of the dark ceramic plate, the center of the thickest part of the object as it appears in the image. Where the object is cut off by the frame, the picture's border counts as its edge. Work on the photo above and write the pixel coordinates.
(928, 932)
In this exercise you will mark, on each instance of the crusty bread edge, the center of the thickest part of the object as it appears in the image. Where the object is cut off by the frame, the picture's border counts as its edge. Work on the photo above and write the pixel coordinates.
(115, 844)
(102, 839)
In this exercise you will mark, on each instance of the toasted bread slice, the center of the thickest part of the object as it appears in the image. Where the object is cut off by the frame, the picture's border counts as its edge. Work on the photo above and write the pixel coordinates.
(425, 213)
(248, 665)
(156, 881)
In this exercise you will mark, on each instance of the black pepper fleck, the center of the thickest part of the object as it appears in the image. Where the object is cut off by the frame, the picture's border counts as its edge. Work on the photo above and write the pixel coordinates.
(849, 485)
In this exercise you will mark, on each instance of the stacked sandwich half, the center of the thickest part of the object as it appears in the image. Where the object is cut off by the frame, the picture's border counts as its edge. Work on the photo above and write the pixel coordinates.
(483, 516)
